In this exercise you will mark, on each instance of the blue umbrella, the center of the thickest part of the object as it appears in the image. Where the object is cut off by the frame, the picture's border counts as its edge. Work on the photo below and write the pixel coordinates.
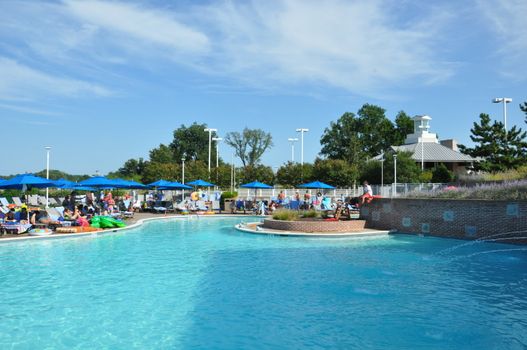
(256, 184)
(24, 181)
(134, 184)
(167, 185)
(101, 182)
(65, 184)
(200, 183)
(317, 185)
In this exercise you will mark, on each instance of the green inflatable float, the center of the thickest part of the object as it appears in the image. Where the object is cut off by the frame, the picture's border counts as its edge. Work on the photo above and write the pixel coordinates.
(106, 222)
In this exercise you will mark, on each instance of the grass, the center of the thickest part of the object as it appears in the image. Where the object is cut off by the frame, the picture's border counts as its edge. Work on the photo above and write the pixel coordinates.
(285, 215)
(310, 214)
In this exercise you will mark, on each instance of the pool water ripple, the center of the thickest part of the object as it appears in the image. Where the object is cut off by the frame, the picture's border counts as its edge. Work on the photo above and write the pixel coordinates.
(201, 284)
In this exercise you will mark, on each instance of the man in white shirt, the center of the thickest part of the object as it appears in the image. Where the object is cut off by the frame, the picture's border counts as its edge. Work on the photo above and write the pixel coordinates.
(368, 193)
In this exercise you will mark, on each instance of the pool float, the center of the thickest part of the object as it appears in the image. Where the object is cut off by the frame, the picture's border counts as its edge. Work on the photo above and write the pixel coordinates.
(106, 222)
(194, 196)
(40, 232)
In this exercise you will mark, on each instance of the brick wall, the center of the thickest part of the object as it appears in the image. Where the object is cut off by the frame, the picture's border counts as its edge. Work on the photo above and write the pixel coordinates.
(315, 226)
(466, 219)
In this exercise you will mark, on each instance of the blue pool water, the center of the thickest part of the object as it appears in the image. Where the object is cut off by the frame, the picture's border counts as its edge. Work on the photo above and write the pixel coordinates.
(186, 284)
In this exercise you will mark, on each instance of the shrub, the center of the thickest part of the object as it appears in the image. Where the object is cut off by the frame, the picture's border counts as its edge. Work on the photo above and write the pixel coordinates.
(310, 214)
(229, 195)
(442, 175)
(285, 215)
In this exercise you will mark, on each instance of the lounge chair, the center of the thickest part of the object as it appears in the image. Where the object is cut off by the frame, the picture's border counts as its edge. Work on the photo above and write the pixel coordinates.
(294, 205)
(15, 227)
(216, 206)
(17, 201)
(4, 202)
(201, 206)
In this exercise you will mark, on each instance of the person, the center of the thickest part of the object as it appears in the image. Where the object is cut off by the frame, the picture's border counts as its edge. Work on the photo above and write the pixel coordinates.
(10, 216)
(281, 197)
(297, 196)
(368, 193)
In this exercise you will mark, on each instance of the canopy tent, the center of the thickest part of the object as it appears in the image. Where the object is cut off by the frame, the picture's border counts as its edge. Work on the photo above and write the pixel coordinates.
(200, 183)
(25, 181)
(317, 185)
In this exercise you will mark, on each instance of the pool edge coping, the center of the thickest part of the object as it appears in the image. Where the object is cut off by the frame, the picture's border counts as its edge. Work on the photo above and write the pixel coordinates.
(369, 233)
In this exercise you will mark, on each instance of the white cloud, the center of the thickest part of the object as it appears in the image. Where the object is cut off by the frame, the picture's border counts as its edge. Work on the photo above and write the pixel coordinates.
(141, 23)
(355, 45)
(20, 81)
(507, 21)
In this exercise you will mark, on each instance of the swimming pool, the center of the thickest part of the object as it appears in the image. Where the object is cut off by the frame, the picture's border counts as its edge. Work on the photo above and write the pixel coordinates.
(199, 283)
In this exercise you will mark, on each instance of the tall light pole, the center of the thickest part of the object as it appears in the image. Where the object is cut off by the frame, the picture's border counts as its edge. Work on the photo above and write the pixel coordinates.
(382, 170)
(395, 174)
(503, 100)
(210, 131)
(183, 175)
(217, 139)
(48, 148)
(302, 131)
(292, 141)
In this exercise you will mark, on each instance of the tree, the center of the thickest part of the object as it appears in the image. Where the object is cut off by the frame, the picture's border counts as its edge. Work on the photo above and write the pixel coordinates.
(290, 174)
(442, 175)
(407, 169)
(193, 142)
(335, 172)
(156, 171)
(249, 145)
(258, 172)
(404, 125)
(523, 107)
(341, 140)
(162, 154)
(195, 170)
(132, 167)
(498, 148)
(374, 129)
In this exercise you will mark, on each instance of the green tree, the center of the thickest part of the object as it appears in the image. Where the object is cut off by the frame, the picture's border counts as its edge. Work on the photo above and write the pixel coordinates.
(441, 174)
(523, 107)
(404, 125)
(195, 170)
(341, 140)
(374, 129)
(371, 172)
(193, 142)
(335, 172)
(258, 172)
(290, 174)
(57, 174)
(498, 148)
(249, 145)
(132, 167)
(156, 171)
(162, 154)
(407, 168)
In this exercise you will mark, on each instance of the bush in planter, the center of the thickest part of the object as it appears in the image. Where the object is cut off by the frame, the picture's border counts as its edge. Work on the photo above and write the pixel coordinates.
(285, 215)
(227, 195)
(310, 214)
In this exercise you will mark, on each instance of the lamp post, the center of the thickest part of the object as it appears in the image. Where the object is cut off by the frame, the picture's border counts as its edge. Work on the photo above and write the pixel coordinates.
(503, 100)
(48, 148)
(422, 127)
(302, 131)
(292, 140)
(395, 175)
(183, 175)
(217, 139)
(382, 170)
(210, 131)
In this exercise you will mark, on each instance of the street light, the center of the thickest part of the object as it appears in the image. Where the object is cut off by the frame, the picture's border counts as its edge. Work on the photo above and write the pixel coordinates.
(183, 175)
(217, 139)
(302, 131)
(292, 140)
(422, 127)
(210, 131)
(395, 175)
(48, 148)
(503, 100)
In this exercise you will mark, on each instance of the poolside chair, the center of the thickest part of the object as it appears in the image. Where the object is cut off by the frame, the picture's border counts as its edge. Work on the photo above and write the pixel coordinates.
(216, 206)
(52, 201)
(41, 200)
(294, 205)
(123, 207)
(17, 201)
(4, 202)
(201, 206)
(326, 204)
(14, 227)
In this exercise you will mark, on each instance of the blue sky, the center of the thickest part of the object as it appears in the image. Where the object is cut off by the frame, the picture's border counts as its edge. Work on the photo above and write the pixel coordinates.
(102, 82)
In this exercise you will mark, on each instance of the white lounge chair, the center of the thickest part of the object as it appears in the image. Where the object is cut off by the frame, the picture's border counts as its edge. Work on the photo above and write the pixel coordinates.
(216, 206)
(4, 202)
(33, 200)
(17, 201)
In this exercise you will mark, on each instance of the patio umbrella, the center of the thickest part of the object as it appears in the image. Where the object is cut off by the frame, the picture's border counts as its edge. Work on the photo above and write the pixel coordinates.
(101, 182)
(256, 185)
(25, 181)
(200, 183)
(64, 184)
(167, 185)
(317, 185)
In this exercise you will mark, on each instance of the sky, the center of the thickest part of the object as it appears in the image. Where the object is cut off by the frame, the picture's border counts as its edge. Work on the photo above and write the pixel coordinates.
(105, 81)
